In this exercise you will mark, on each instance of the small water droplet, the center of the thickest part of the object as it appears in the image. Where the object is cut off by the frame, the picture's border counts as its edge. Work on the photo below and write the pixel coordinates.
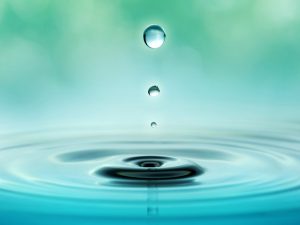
(154, 91)
(153, 124)
(154, 36)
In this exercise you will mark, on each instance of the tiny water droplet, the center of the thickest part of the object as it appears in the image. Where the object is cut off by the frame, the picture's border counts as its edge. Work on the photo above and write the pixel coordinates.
(154, 36)
(153, 124)
(154, 91)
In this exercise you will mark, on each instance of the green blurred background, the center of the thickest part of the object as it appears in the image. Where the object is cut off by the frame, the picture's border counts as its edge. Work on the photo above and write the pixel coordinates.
(83, 63)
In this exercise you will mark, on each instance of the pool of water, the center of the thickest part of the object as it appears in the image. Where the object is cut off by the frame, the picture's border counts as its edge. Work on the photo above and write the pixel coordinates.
(176, 113)
(221, 177)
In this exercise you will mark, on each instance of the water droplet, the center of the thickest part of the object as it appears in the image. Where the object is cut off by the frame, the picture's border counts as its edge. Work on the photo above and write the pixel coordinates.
(154, 36)
(154, 91)
(153, 124)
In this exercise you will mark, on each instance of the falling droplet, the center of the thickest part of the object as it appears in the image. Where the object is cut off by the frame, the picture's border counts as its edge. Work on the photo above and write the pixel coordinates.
(154, 91)
(154, 36)
(153, 124)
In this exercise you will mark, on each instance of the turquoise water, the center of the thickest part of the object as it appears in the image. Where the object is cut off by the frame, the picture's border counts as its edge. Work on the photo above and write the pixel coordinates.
(135, 112)
(247, 177)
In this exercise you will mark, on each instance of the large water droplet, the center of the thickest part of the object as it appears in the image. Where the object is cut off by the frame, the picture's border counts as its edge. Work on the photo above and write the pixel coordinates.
(154, 36)
(153, 91)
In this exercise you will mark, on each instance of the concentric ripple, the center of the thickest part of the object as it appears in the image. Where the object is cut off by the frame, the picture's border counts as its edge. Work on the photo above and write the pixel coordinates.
(150, 170)
(197, 174)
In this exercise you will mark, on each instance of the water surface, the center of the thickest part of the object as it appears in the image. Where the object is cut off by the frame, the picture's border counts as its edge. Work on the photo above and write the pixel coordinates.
(248, 176)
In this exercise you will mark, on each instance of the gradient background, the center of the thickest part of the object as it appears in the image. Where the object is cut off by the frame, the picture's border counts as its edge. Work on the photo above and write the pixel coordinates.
(83, 63)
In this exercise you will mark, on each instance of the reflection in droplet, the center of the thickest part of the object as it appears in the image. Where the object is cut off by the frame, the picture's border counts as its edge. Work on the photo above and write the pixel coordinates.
(154, 36)
(153, 124)
(153, 91)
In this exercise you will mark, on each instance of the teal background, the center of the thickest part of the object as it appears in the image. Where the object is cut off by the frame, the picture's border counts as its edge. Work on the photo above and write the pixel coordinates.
(225, 63)
(83, 65)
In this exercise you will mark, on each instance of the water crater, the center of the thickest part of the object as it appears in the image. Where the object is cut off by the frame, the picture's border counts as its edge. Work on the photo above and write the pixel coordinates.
(147, 169)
